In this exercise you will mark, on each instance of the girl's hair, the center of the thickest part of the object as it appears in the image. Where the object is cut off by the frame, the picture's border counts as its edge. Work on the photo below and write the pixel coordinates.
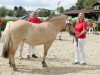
(82, 15)
(34, 12)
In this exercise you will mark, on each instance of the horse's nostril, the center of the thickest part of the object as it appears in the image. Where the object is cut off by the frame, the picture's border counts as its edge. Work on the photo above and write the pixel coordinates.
(72, 33)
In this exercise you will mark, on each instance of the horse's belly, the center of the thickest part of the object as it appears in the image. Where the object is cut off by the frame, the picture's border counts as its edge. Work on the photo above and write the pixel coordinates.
(39, 41)
(37, 38)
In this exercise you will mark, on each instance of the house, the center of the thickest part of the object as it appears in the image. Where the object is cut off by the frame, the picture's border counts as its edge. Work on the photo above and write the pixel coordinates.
(92, 14)
(74, 13)
(96, 8)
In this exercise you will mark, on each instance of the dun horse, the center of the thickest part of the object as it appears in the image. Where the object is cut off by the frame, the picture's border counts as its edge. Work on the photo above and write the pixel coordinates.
(22, 31)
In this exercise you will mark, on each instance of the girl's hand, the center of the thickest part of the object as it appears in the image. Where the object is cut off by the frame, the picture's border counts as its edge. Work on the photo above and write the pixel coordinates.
(77, 36)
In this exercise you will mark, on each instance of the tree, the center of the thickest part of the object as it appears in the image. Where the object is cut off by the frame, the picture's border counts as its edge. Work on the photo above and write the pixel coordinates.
(79, 4)
(83, 4)
(44, 13)
(88, 3)
(20, 11)
(52, 13)
(3, 11)
(72, 8)
(10, 13)
(60, 9)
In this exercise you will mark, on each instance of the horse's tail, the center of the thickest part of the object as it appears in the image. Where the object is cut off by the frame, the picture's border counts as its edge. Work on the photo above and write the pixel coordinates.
(6, 39)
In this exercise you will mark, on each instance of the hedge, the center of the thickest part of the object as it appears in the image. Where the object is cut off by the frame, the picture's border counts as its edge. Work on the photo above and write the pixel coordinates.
(4, 23)
(97, 23)
(6, 20)
(98, 26)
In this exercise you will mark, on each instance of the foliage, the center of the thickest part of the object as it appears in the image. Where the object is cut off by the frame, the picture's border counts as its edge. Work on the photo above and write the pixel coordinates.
(3, 11)
(83, 4)
(52, 13)
(18, 13)
(79, 4)
(98, 26)
(4, 23)
(10, 13)
(73, 7)
(74, 22)
(44, 13)
(88, 4)
(60, 9)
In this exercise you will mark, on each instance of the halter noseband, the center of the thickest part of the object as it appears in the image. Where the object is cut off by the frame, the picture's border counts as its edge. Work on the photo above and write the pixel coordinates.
(69, 24)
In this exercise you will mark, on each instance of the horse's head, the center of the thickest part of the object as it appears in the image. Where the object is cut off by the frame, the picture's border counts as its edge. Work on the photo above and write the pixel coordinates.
(63, 22)
(68, 26)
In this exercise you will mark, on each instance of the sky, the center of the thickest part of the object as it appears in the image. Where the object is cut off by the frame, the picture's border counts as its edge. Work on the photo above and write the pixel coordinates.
(35, 4)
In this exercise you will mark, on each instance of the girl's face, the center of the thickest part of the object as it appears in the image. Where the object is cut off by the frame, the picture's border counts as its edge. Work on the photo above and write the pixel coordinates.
(34, 15)
(81, 17)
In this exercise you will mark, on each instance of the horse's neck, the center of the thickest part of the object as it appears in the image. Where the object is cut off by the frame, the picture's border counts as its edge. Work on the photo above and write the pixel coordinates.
(58, 24)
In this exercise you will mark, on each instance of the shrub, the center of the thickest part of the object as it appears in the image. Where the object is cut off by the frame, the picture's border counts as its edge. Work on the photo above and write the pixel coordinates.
(74, 22)
(98, 26)
(4, 23)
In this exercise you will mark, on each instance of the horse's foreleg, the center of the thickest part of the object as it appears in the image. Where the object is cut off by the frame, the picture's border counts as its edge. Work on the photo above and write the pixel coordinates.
(21, 48)
(46, 48)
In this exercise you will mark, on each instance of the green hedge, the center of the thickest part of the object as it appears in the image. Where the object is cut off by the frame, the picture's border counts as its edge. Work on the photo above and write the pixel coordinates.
(6, 20)
(98, 26)
(4, 23)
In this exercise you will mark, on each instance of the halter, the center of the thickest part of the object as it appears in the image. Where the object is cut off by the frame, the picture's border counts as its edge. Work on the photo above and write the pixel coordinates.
(68, 23)
(72, 33)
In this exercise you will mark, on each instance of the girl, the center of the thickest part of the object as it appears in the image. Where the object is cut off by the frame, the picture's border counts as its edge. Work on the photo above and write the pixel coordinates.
(80, 31)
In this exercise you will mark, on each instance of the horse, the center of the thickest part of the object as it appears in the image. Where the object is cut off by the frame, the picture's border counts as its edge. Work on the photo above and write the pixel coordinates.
(22, 31)
(68, 21)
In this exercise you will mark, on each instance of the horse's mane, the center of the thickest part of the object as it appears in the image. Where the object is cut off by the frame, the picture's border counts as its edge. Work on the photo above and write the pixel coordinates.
(51, 18)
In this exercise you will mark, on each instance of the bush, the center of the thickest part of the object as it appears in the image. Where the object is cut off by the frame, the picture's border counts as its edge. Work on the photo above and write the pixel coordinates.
(74, 22)
(4, 23)
(98, 26)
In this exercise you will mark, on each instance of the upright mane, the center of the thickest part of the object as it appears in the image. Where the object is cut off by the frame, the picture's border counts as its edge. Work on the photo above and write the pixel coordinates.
(61, 16)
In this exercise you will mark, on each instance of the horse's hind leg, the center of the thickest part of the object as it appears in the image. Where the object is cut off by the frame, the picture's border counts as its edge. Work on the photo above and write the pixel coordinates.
(46, 48)
(12, 55)
(21, 49)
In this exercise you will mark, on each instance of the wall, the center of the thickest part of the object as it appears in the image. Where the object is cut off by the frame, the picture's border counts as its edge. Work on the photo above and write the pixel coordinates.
(98, 17)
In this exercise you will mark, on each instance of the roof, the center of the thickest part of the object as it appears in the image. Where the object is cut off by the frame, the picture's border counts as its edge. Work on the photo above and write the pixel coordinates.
(97, 3)
(78, 11)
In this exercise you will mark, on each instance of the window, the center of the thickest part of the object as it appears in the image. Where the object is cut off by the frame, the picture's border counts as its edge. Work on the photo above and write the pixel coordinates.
(95, 7)
(99, 7)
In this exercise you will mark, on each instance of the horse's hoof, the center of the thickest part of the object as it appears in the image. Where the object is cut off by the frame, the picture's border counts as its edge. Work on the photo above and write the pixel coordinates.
(44, 64)
(20, 58)
(14, 68)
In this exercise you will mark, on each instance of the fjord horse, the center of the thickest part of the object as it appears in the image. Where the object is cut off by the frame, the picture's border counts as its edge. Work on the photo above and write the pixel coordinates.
(22, 31)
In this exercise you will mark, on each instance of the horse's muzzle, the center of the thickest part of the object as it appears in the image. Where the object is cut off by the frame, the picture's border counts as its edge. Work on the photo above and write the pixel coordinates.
(72, 33)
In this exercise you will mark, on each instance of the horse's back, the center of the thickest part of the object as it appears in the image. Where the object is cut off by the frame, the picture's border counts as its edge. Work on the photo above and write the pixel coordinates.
(32, 33)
